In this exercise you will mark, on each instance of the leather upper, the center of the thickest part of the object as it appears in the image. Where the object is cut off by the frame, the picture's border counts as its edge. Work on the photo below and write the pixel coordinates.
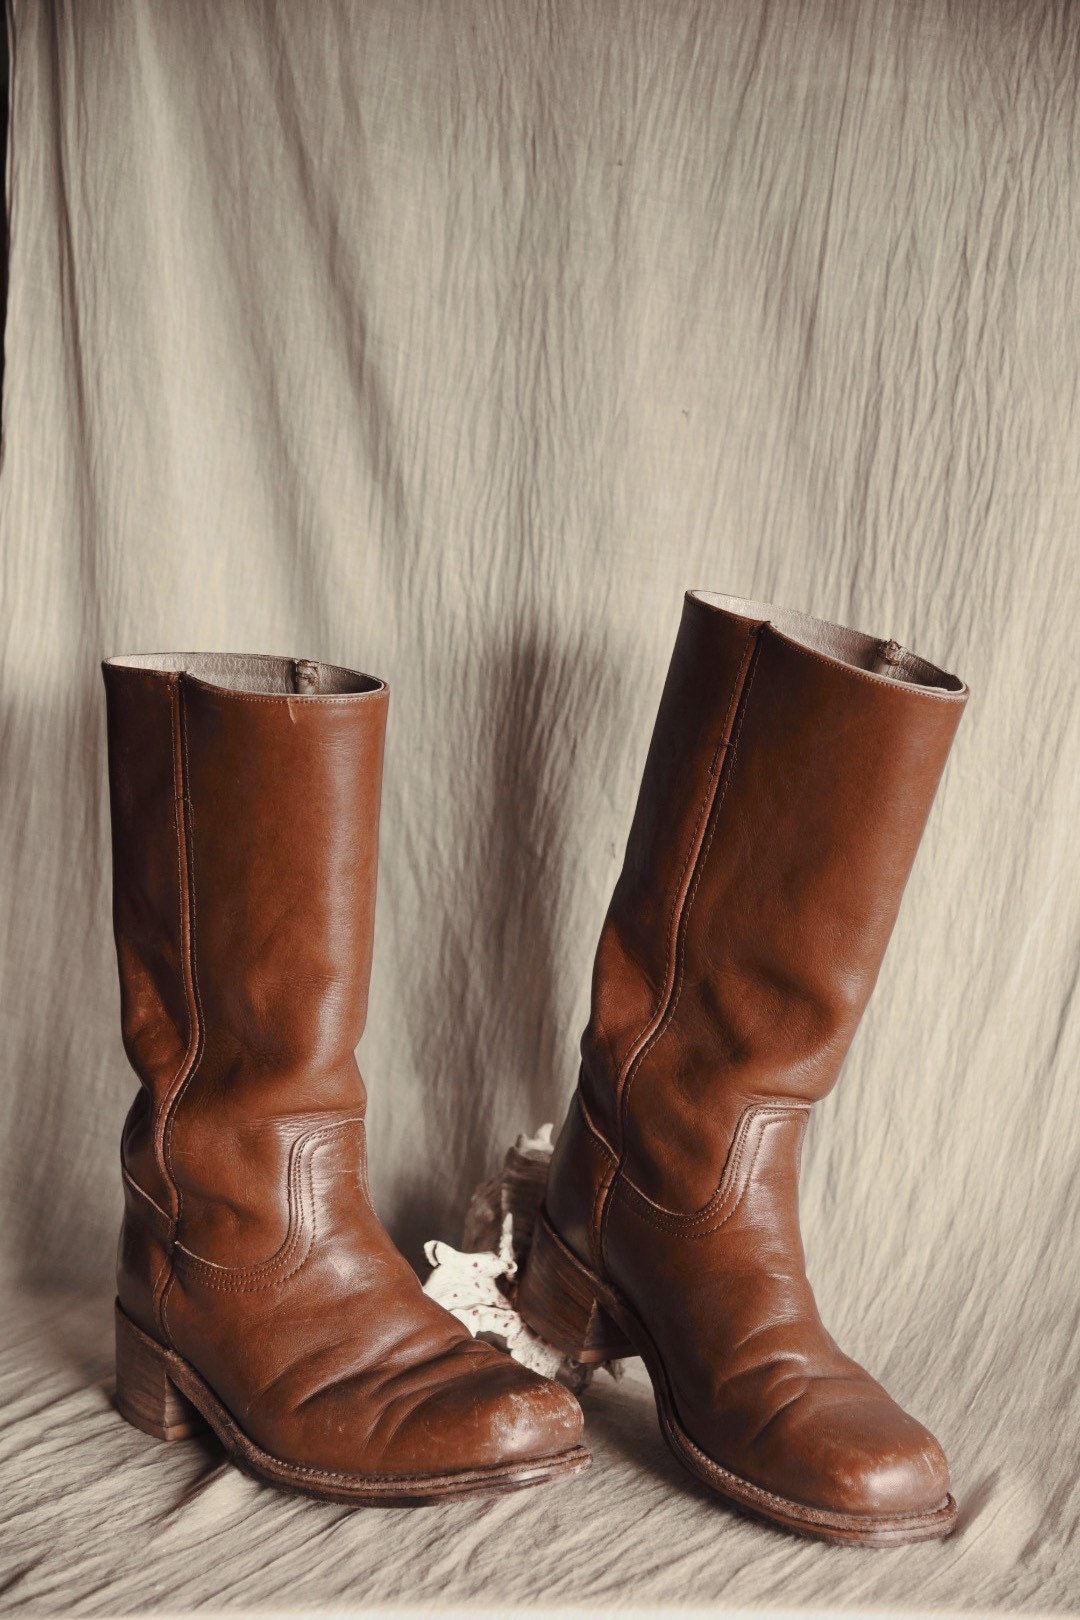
(790, 774)
(245, 797)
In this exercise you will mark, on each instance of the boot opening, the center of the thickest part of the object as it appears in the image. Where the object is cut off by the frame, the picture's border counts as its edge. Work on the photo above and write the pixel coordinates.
(885, 658)
(255, 672)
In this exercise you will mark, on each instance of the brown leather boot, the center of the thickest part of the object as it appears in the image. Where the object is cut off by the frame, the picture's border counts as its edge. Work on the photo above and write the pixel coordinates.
(257, 1289)
(790, 774)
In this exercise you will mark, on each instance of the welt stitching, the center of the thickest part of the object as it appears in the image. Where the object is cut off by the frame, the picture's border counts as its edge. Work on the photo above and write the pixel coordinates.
(814, 1515)
(389, 1480)
(703, 856)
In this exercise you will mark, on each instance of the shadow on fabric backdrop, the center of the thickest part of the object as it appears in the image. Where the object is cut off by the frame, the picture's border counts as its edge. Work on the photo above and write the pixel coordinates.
(63, 1162)
(489, 1004)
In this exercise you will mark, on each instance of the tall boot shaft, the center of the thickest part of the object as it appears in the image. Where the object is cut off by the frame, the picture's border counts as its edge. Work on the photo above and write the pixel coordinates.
(245, 848)
(790, 774)
(791, 770)
(257, 1288)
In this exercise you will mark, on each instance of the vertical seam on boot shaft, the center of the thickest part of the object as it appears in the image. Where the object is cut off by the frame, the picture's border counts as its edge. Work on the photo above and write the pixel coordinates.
(178, 829)
(712, 783)
(191, 982)
(684, 899)
(192, 1033)
(750, 669)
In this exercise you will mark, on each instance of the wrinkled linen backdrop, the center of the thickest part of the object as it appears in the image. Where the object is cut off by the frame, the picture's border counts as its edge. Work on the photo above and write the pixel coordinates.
(454, 342)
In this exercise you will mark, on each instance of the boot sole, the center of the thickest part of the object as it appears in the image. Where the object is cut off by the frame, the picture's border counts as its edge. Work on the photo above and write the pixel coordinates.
(161, 1394)
(571, 1308)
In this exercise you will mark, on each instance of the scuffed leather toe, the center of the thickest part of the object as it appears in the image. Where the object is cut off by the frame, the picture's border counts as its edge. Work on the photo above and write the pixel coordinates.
(495, 1414)
(858, 1453)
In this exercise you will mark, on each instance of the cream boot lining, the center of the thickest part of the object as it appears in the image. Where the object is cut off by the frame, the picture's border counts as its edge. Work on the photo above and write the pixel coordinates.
(885, 658)
(255, 672)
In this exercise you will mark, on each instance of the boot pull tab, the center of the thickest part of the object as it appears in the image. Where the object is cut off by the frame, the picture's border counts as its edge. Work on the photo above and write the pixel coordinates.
(891, 659)
(305, 677)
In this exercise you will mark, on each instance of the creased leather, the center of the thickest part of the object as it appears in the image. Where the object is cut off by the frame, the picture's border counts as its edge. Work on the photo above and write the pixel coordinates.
(245, 822)
(787, 784)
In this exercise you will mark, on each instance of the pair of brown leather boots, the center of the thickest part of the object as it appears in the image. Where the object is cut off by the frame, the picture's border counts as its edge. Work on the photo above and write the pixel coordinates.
(791, 770)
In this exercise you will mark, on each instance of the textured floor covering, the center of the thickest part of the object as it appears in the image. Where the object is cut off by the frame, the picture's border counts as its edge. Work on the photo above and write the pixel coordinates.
(454, 342)
(102, 1520)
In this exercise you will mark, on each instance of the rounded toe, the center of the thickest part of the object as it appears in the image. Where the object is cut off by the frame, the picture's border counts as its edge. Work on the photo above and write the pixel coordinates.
(911, 1479)
(495, 1414)
(865, 1457)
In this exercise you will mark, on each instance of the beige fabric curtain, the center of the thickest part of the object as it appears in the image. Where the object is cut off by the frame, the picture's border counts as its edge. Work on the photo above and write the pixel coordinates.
(454, 342)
